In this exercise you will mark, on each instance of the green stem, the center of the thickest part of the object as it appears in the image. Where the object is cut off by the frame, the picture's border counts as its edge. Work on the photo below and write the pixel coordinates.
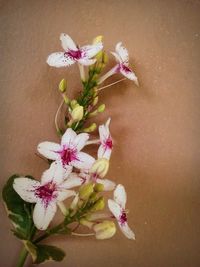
(22, 257)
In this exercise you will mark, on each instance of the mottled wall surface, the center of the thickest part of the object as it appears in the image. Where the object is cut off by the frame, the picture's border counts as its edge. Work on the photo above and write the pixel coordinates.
(155, 128)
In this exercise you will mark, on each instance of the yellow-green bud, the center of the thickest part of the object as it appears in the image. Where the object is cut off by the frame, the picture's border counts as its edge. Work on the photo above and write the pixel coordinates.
(101, 108)
(95, 101)
(98, 187)
(86, 191)
(86, 223)
(93, 197)
(100, 167)
(104, 58)
(95, 92)
(63, 85)
(73, 103)
(93, 114)
(99, 205)
(105, 230)
(91, 128)
(77, 113)
(97, 39)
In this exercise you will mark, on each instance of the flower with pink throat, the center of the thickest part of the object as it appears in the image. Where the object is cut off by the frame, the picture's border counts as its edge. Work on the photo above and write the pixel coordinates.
(106, 143)
(72, 53)
(68, 153)
(117, 207)
(52, 189)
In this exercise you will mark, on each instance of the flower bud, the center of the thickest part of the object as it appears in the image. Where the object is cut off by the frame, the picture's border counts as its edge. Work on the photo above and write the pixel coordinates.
(62, 85)
(91, 128)
(95, 101)
(98, 187)
(98, 39)
(86, 190)
(105, 230)
(86, 223)
(77, 113)
(100, 167)
(101, 108)
(99, 205)
(93, 114)
(73, 103)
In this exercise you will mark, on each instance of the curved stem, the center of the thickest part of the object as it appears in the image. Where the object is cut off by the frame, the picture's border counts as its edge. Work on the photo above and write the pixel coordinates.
(56, 117)
(101, 88)
(22, 257)
(82, 234)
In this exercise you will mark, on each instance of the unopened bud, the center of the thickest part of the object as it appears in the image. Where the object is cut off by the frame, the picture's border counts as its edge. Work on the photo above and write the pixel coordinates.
(73, 103)
(74, 202)
(63, 85)
(93, 197)
(100, 167)
(93, 114)
(86, 190)
(86, 223)
(77, 113)
(101, 108)
(105, 230)
(95, 101)
(99, 205)
(91, 128)
(98, 39)
(98, 187)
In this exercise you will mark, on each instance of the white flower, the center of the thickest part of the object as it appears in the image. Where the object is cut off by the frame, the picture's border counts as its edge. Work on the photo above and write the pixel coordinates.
(122, 58)
(46, 194)
(117, 207)
(106, 143)
(68, 152)
(72, 53)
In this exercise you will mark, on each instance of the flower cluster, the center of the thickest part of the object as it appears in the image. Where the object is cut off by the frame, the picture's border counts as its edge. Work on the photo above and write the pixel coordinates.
(73, 174)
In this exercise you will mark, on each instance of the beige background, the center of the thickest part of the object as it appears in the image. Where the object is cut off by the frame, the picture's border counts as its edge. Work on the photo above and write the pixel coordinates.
(156, 127)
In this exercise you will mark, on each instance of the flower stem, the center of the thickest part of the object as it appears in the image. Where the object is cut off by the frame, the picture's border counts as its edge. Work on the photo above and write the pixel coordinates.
(56, 118)
(99, 89)
(22, 257)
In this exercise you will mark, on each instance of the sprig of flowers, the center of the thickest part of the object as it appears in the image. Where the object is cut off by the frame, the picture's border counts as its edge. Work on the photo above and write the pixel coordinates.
(72, 174)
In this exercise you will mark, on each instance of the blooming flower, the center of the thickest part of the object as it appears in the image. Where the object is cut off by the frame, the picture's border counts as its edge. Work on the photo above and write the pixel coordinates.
(46, 194)
(117, 207)
(106, 143)
(72, 53)
(68, 152)
(122, 58)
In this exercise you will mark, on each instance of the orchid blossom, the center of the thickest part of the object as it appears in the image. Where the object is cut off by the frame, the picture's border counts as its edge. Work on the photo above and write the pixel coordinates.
(68, 152)
(117, 207)
(106, 143)
(122, 58)
(72, 53)
(52, 189)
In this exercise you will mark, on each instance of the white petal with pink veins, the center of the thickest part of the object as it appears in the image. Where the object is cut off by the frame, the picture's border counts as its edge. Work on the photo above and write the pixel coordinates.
(55, 174)
(25, 187)
(67, 42)
(122, 52)
(58, 59)
(129, 74)
(120, 195)
(63, 194)
(68, 137)
(108, 184)
(73, 181)
(114, 208)
(104, 152)
(91, 50)
(43, 214)
(84, 161)
(49, 150)
(80, 140)
(127, 231)
(86, 62)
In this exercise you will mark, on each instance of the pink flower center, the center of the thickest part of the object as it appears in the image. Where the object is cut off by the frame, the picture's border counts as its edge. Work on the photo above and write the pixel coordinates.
(68, 155)
(123, 217)
(73, 54)
(125, 68)
(108, 143)
(46, 192)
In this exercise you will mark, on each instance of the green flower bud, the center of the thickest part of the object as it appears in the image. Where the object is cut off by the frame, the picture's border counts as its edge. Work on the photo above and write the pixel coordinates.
(86, 191)
(97, 39)
(105, 230)
(73, 103)
(63, 85)
(95, 101)
(98, 187)
(93, 114)
(93, 197)
(91, 128)
(86, 223)
(100, 167)
(77, 113)
(101, 108)
(99, 205)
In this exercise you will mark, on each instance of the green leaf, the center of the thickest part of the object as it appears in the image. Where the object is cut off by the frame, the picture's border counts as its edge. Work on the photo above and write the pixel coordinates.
(45, 252)
(19, 211)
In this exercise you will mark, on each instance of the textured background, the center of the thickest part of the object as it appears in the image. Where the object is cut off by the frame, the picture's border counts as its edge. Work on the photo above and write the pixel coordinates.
(156, 127)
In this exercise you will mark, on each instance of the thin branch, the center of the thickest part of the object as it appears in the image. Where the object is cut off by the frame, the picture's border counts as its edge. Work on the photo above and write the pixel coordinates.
(56, 116)
(91, 234)
(111, 84)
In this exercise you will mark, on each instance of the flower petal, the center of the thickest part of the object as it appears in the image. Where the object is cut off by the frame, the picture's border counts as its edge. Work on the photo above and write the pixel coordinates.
(114, 208)
(67, 42)
(91, 50)
(80, 140)
(55, 173)
(108, 184)
(122, 52)
(104, 152)
(129, 74)
(86, 61)
(84, 161)
(25, 187)
(68, 137)
(59, 59)
(120, 195)
(117, 57)
(127, 231)
(63, 194)
(49, 150)
(43, 214)
(73, 181)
